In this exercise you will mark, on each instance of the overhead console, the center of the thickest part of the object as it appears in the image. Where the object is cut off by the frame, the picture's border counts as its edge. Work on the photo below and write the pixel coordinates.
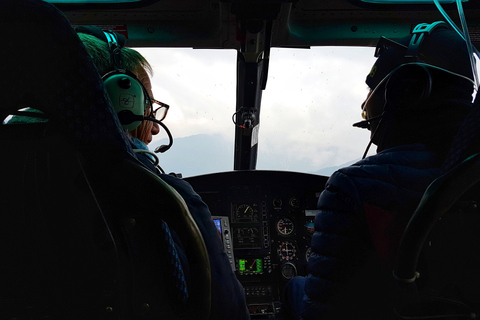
(266, 219)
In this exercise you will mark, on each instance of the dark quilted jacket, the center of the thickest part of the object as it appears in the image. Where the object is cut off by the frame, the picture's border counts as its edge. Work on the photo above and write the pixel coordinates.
(364, 208)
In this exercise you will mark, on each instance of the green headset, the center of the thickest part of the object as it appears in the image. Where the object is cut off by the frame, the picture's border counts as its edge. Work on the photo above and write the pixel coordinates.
(128, 96)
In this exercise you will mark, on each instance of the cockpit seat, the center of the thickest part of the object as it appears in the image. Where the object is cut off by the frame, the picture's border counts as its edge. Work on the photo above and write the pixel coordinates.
(83, 222)
(439, 256)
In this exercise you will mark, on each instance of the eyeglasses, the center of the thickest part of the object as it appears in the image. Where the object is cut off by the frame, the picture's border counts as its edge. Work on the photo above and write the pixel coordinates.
(161, 111)
(158, 112)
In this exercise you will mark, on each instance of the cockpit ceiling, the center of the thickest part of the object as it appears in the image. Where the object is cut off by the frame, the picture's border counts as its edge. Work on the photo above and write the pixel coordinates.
(302, 23)
(91, 1)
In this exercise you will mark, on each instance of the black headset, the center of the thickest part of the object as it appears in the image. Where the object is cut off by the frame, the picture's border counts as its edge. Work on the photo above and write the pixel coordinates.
(410, 84)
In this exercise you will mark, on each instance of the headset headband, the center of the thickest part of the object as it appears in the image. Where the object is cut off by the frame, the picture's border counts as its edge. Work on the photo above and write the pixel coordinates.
(127, 93)
(115, 48)
(102, 34)
(418, 34)
(116, 42)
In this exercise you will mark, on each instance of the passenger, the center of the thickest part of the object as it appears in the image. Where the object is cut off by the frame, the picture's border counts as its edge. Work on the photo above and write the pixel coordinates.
(365, 207)
(228, 297)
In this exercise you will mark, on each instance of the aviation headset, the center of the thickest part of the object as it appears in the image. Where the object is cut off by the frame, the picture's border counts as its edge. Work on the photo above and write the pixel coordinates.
(408, 85)
(411, 83)
(129, 97)
(130, 100)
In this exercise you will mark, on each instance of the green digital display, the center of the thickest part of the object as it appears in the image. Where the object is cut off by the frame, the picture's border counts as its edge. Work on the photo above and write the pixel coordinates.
(254, 266)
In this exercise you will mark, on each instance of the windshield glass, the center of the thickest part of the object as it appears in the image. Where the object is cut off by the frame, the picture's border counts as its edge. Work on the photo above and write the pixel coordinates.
(311, 99)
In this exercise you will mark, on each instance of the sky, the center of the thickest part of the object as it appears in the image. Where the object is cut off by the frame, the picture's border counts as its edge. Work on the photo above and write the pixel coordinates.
(311, 99)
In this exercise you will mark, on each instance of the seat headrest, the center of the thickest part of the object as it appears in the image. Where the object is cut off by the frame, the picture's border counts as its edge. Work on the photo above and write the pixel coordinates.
(45, 66)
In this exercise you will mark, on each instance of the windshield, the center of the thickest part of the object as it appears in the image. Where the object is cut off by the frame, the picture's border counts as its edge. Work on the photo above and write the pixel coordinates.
(311, 99)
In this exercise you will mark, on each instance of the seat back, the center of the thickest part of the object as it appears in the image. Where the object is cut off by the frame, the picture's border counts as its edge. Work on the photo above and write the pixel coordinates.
(438, 254)
(438, 257)
(82, 237)
(57, 250)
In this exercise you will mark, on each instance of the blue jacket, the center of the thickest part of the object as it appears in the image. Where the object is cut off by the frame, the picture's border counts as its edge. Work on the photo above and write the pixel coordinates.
(228, 296)
(363, 208)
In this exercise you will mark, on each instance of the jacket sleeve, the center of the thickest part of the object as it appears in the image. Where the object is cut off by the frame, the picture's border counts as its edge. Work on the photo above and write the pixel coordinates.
(228, 296)
(339, 243)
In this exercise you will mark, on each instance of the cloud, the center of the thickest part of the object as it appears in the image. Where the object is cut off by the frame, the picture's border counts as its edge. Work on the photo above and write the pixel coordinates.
(200, 87)
(311, 101)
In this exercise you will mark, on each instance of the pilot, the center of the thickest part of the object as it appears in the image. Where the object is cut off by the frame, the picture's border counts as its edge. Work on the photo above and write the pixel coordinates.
(228, 296)
(420, 91)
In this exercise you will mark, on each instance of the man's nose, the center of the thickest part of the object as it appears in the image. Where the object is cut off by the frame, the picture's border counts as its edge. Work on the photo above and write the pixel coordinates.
(155, 128)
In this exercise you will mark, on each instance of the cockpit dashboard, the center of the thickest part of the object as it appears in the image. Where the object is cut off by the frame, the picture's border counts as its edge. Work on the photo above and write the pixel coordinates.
(266, 221)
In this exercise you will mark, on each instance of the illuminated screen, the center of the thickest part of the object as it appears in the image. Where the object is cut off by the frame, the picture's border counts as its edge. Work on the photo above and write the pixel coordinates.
(311, 213)
(250, 265)
(218, 224)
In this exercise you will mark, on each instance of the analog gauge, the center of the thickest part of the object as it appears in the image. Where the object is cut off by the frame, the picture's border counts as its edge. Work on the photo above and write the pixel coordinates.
(239, 231)
(244, 212)
(287, 250)
(294, 203)
(246, 237)
(285, 226)
(277, 203)
(289, 270)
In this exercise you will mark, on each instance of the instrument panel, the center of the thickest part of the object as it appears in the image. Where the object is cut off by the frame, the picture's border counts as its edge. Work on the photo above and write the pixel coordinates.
(270, 217)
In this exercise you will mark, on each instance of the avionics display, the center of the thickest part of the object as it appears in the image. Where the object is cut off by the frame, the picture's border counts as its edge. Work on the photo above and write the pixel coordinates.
(250, 266)
(223, 226)
(218, 224)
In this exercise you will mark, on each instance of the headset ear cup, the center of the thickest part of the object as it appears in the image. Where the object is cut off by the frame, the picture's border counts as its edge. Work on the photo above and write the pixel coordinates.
(127, 95)
(409, 85)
